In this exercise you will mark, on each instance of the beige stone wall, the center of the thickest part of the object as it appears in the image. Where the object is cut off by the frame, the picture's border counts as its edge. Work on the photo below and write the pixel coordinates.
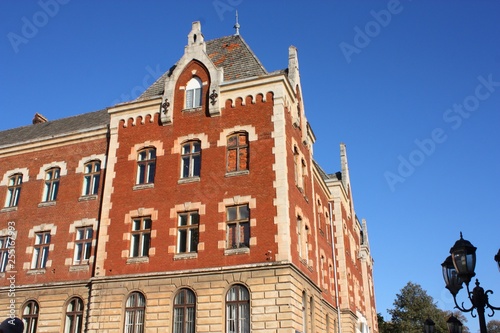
(51, 300)
(275, 300)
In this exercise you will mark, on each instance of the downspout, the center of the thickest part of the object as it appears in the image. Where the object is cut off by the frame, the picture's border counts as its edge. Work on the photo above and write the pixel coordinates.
(335, 269)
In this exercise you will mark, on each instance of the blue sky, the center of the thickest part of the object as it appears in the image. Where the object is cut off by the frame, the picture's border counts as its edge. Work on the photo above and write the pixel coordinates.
(411, 87)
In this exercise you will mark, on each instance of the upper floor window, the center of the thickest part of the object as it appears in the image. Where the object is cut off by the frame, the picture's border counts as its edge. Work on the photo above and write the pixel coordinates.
(238, 310)
(51, 186)
(134, 313)
(30, 317)
(83, 245)
(193, 93)
(74, 316)
(13, 190)
(146, 165)
(237, 152)
(187, 232)
(4, 253)
(238, 226)
(41, 250)
(184, 311)
(141, 237)
(191, 159)
(92, 174)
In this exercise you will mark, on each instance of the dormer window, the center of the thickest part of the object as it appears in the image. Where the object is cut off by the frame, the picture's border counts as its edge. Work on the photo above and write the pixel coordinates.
(193, 93)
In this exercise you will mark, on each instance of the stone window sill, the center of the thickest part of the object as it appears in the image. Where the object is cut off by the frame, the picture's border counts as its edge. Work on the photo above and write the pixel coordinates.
(46, 204)
(237, 173)
(143, 186)
(240, 250)
(188, 180)
(183, 256)
(137, 260)
(87, 197)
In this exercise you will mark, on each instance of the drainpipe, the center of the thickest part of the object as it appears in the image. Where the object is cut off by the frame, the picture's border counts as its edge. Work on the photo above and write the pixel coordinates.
(335, 269)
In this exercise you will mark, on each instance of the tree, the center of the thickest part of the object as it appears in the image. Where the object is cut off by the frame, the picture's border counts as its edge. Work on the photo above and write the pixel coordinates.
(493, 326)
(384, 326)
(412, 307)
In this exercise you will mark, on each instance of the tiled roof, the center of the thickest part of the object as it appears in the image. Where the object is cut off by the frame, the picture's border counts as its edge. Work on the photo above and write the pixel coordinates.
(230, 53)
(55, 128)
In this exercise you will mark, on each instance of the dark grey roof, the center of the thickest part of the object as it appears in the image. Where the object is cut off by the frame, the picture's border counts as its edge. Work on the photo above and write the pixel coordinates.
(55, 128)
(324, 175)
(235, 56)
(230, 53)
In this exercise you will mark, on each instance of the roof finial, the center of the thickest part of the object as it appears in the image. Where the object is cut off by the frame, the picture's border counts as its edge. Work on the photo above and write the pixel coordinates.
(237, 25)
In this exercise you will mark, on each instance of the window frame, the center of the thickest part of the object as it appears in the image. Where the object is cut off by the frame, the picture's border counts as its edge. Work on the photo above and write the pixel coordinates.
(73, 322)
(146, 166)
(83, 246)
(4, 253)
(191, 232)
(234, 227)
(30, 319)
(140, 237)
(194, 93)
(184, 309)
(241, 305)
(239, 150)
(136, 312)
(91, 178)
(51, 184)
(13, 190)
(41, 250)
(191, 160)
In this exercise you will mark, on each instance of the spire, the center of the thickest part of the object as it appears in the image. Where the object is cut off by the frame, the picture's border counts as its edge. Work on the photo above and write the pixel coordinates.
(344, 167)
(237, 26)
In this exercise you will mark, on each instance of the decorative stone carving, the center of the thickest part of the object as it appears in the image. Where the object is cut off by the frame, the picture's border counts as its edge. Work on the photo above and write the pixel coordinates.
(213, 97)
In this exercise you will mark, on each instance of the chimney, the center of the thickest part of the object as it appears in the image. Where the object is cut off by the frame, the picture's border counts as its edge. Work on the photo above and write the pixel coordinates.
(38, 119)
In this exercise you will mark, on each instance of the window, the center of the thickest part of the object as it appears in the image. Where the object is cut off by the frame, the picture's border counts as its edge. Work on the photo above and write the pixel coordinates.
(304, 312)
(296, 158)
(238, 226)
(51, 184)
(238, 310)
(193, 93)
(191, 159)
(237, 152)
(83, 245)
(4, 253)
(187, 232)
(146, 165)
(13, 190)
(141, 237)
(300, 233)
(41, 250)
(74, 316)
(30, 317)
(184, 311)
(92, 174)
(134, 313)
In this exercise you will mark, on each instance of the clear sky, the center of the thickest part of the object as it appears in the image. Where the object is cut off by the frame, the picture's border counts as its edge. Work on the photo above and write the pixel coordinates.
(411, 87)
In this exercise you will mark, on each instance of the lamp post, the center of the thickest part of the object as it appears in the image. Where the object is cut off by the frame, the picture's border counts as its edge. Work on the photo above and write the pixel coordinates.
(458, 269)
(429, 326)
(497, 259)
(454, 325)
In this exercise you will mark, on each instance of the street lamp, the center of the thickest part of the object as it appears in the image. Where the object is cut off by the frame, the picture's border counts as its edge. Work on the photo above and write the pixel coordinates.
(458, 269)
(497, 259)
(454, 325)
(429, 326)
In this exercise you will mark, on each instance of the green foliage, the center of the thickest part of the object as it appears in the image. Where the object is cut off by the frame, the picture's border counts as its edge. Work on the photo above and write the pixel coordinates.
(412, 307)
(493, 326)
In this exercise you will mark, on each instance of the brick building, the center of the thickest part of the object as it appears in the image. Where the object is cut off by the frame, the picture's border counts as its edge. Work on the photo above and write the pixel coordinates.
(197, 207)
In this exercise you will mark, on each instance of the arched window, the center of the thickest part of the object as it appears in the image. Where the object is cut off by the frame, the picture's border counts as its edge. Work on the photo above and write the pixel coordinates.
(193, 93)
(134, 313)
(238, 310)
(30, 316)
(237, 152)
(13, 190)
(191, 159)
(74, 316)
(91, 177)
(146, 166)
(184, 312)
(304, 312)
(51, 186)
